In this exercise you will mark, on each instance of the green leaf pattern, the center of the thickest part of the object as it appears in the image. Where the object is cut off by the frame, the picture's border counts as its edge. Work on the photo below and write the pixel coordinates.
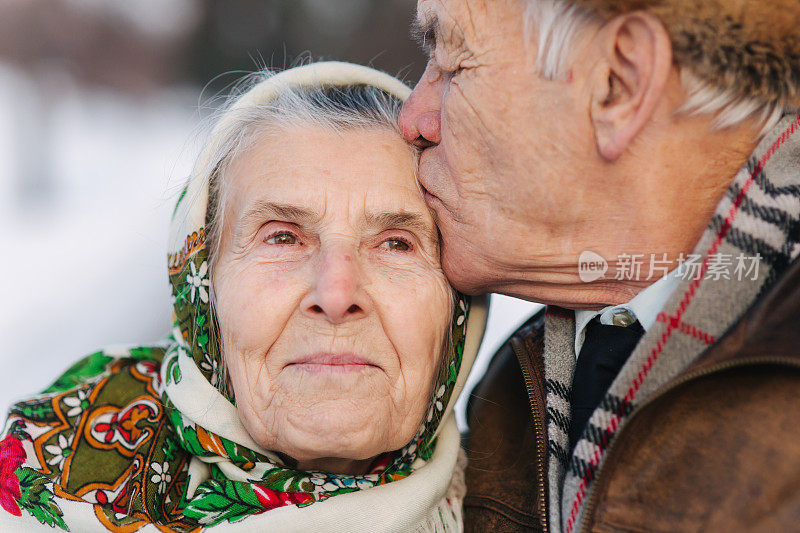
(37, 498)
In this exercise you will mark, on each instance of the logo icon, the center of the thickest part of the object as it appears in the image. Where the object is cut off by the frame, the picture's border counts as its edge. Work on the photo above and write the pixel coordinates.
(591, 266)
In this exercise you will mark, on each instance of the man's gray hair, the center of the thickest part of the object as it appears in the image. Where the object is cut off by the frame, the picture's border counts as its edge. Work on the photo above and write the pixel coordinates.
(556, 25)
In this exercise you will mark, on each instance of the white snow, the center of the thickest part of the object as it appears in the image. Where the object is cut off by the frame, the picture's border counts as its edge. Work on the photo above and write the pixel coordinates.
(84, 254)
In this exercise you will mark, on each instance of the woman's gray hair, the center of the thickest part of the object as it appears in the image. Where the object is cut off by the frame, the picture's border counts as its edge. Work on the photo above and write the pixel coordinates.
(556, 25)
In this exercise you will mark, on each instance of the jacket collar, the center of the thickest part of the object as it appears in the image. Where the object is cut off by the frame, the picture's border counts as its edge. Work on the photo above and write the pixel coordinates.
(758, 218)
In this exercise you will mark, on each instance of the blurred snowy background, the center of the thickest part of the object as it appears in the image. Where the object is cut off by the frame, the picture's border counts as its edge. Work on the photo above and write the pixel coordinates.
(100, 107)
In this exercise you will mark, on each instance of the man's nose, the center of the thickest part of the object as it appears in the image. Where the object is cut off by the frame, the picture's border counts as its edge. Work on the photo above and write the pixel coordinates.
(421, 118)
(337, 293)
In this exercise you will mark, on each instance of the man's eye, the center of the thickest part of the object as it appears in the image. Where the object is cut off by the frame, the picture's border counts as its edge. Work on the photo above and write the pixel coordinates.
(449, 71)
(282, 238)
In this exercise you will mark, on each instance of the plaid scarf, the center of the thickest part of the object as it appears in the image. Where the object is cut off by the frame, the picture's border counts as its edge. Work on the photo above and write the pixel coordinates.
(758, 218)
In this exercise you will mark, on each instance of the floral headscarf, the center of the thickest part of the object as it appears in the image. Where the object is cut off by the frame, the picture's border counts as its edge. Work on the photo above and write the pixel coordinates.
(144, 434)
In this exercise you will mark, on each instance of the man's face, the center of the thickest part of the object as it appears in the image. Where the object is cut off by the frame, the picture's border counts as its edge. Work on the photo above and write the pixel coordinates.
(507, 168)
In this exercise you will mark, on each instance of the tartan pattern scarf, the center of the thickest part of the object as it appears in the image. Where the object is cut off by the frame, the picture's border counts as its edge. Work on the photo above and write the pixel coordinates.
(759, 217)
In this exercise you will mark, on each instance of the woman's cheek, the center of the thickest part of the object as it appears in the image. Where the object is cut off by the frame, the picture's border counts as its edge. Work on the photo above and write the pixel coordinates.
(256, 303)
(427, 315)
(421, 307)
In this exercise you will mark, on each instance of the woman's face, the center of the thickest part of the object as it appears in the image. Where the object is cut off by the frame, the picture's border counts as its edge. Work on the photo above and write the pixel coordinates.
(332, 303)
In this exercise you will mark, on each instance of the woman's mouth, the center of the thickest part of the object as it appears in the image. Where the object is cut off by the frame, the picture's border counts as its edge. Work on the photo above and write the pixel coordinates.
(332, 363)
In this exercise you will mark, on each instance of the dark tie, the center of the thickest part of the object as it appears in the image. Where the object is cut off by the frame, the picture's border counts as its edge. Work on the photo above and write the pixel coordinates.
(605, 349)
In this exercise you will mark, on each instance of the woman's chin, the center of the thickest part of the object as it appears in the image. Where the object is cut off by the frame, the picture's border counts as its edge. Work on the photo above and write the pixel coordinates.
(345, 436)
(344, 429)
(351, 414)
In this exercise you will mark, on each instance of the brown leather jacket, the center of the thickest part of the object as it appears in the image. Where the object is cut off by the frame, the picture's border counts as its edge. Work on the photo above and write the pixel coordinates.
(717, 449)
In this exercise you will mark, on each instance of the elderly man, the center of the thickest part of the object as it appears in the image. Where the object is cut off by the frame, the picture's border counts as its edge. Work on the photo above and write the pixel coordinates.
(635, 165)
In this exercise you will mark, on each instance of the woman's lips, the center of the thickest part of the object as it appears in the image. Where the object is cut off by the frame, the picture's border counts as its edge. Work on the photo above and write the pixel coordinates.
(327, 362)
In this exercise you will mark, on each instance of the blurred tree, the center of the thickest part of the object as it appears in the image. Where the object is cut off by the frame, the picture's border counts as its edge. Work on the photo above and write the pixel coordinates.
(138, 45)
(249, 34)
(132, 46)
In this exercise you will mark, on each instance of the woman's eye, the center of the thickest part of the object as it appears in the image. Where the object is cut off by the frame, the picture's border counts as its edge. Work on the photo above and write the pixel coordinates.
(397, 245)
(282, 238)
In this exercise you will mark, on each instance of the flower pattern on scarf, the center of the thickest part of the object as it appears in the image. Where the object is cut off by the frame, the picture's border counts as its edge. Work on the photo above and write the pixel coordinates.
(270, 499)
(161, 476)
(212, 367)
(77, 404)
(12, 455)
(60, 451)
(198, 282)
(50, 423)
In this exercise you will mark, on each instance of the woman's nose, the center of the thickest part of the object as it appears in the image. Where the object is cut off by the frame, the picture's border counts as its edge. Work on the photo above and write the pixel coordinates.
(337, 293)
(421, 118)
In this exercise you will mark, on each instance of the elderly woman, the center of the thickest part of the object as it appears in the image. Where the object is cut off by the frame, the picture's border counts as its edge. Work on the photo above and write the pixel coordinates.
(317, 346)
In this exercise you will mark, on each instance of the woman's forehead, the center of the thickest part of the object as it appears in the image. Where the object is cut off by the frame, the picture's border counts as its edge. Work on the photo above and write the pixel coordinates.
(355, 172)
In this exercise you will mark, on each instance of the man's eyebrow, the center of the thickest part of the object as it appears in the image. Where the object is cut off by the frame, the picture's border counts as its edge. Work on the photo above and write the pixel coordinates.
(402, 220)
(424, 32)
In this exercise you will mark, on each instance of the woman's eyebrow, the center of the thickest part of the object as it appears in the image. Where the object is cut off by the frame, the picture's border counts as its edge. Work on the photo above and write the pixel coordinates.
(401, 220)
(261, 211)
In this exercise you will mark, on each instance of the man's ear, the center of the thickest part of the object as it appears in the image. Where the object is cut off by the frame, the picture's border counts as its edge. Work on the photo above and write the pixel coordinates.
(636, 60)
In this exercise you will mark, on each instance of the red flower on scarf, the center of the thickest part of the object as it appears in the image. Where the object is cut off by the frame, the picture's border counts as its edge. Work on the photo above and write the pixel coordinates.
(380, 463)
(12, 455)
(271, 499)
(120, 504)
